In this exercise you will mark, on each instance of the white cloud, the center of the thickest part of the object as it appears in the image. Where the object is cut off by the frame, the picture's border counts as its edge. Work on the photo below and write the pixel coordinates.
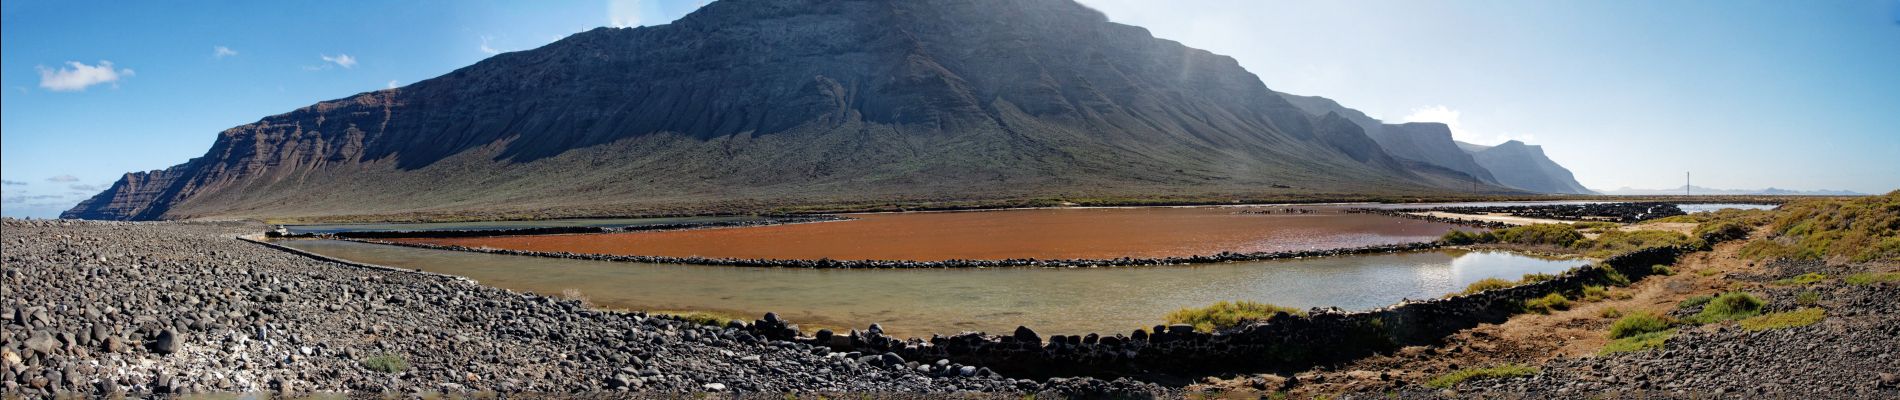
(341, 60)
(1454, 119)
(221, 52)
(623, 13)
(63, 178)
(392, 84)
(77, 76)
(485, 48)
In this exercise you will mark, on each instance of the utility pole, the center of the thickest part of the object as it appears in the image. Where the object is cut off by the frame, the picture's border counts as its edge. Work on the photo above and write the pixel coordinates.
(1685, 183)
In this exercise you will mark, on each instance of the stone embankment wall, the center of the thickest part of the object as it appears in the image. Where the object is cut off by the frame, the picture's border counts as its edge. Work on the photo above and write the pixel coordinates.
(1409, 213)
(459, 233)
(871, 264)
(1281, 343)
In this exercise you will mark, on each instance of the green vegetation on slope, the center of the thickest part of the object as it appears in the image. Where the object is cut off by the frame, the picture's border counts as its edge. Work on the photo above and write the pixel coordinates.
(1862, 229)
(1783, 320)
(1729, 306)
(1638, 342)
(1639, 323)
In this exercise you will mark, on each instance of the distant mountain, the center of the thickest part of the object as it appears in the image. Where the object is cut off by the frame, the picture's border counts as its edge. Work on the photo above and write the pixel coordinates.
(1698, 190)
(1526, 167)
(748, 104)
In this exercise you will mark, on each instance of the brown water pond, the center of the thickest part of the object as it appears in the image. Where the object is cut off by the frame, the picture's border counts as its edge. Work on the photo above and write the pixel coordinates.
(1094, 233)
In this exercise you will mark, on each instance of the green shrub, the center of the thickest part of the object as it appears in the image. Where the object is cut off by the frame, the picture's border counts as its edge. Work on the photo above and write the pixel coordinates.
(1536, 277)
(1610, 312)
(1801, 280)
(1613, 276)
(1505, 371)
(1663, 270)
(1618, 242)
(1730, 306)
(1869, 278)
(1638, 342)
(1596, 226)
(1457, 238)
(1595, 293)
(1720, 231)
(1487, 284)
(386, 363)
(1783, 320)
(1548, 303)
(1222, 315)
(1540, 234)
(1694, 302)
(1637, 324)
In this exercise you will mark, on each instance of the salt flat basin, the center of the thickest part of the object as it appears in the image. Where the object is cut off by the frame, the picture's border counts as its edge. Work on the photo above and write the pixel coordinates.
(924, 301)
(1071, 233)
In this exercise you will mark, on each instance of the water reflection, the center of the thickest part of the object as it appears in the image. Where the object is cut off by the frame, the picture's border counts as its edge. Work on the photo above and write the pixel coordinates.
(920, 302)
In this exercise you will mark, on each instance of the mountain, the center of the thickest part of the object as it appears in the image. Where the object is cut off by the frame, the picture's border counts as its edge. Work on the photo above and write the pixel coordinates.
(750, 104)
(1698, 190)
(1427, 142)
(1523, 166)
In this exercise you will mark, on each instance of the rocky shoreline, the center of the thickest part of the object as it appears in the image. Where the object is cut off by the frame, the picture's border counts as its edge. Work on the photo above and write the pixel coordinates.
(145, 309)
(899, 264)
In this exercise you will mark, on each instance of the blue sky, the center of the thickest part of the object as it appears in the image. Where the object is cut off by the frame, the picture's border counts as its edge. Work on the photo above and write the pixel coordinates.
(1747, 94)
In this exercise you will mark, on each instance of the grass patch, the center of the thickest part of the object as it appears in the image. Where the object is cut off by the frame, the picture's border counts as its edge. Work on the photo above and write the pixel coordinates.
(1707, 272)
(1536, 277)
(1595, 293)
(1783, 320)
(1638, 342)
(1548, 303)
(1729, 306)
(1855, 229)
(1869, 278)
(1609, 312)
(1663, 270)
(1544, 234)
(1807, 298)
(1637, 324)
(1487, 284)
(1801, 280)
(386, 363)
(1225, 314)
(1505, 371)
(1615, 277)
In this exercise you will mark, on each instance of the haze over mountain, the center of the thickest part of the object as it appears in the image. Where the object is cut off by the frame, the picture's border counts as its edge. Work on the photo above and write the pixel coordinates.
(1524, 166)
(750, 104)
(1698, 190)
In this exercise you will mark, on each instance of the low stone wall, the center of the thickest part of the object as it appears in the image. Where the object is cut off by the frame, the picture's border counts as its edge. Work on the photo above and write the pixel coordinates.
(1282, 343)
(1410, 214)
(891, 264)
(460, 233)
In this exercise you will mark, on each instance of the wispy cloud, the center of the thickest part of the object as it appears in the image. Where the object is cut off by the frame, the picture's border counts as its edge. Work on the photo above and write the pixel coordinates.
(11, 183)
(85, 188)
(392, 84)
(1454, 119)
(485, 48)
(63, 178)
(78, 76)
(623, 13)
(220, 52)
(341, 60)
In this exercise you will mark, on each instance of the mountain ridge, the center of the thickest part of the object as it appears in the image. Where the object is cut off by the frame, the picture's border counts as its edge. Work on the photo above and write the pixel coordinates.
(755, 103)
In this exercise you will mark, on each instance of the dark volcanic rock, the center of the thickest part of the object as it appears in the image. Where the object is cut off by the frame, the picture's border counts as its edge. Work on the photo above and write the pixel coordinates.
(788, 101)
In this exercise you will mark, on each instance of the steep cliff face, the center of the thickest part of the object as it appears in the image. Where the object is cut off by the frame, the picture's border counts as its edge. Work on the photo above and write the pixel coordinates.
(1426, 142)
(753, 103)
(1526, 167)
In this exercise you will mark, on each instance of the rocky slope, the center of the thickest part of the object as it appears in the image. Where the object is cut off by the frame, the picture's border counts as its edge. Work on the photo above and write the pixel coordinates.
(750, 103)
(1524, 166)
